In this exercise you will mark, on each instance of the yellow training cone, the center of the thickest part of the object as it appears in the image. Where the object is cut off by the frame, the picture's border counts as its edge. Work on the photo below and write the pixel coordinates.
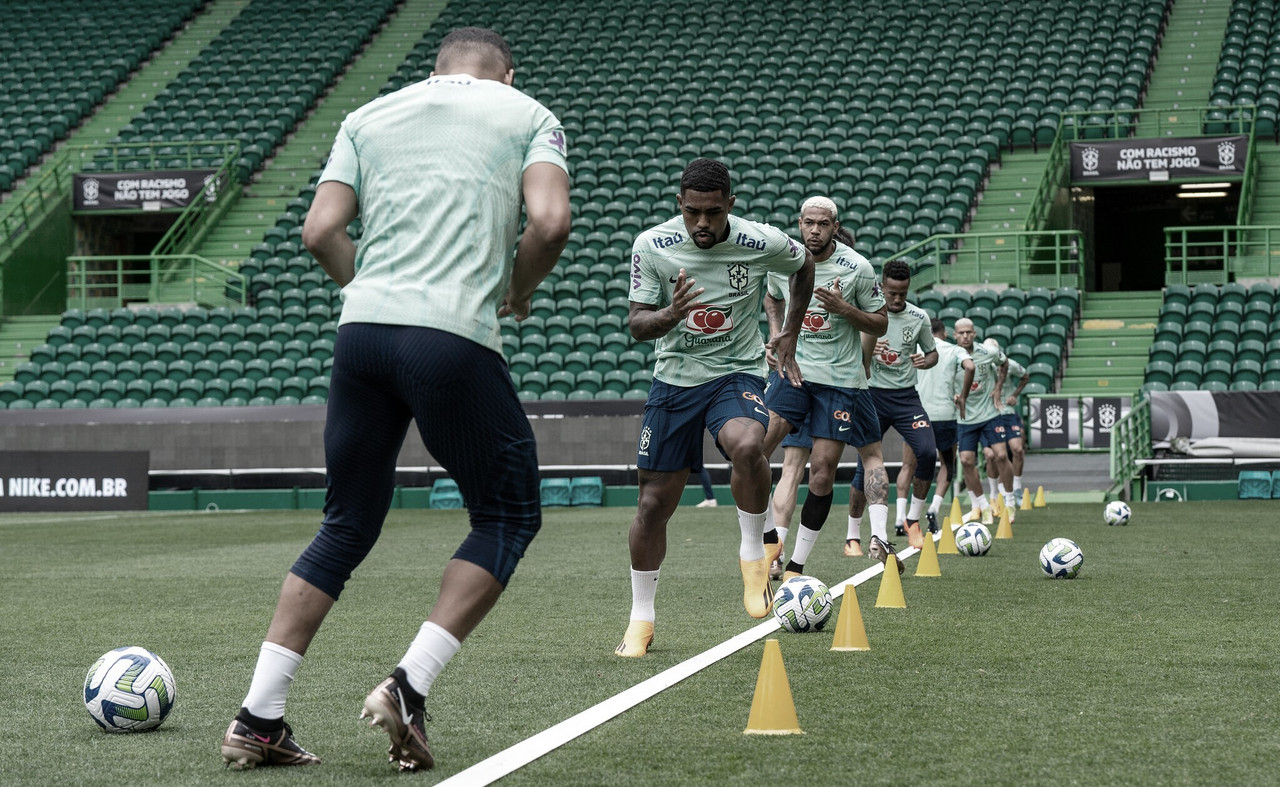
(1026, 500)
(773, 712)
(997, 504)
(927, 565)
(890, 594)
(1005, 530)
(850, 633)
(947, 544)
(1040, 503)
(957, 516)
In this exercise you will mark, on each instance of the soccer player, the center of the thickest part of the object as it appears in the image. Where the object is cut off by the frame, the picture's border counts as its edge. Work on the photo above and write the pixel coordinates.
(696, 282)
(937, 388)
(437, 172)
(893, 389)
(977, 402)
(1013, 426)
(833, 400)
(796, 448)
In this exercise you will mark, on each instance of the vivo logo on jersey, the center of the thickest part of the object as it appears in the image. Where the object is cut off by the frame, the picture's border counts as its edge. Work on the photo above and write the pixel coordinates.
(668, 242)
(749, 242)
(817, 322)
(710, 319)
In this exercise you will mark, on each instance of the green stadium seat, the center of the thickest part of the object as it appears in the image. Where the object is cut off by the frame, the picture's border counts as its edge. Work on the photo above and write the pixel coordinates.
(1188, 372)
(556, 491)
(1192, 350)
(1159, 372)
(1166, 352)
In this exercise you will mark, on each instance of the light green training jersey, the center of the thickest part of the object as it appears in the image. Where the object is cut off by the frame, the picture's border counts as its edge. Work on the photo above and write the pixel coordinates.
(723, 336)
(891, 366)
(829, 350)
(1013, 374)
(437, 169)
(980, 407)
(939, 384)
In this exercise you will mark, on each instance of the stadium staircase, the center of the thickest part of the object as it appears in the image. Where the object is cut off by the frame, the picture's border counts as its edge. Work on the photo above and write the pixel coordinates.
(297, 162)
(18, 335)
(1266, 204)
(1003, 206)
(1183, 74)
(1111, 344)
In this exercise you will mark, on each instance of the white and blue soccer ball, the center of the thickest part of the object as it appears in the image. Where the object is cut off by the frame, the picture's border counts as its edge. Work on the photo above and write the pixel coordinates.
(129, 690)
(1061, 558)
(802, 604)
(1117, 512)
(973, 539)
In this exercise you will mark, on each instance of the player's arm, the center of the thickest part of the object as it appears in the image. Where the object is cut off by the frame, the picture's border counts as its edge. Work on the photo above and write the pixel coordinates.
(925, 360)
(774, 313)
(963, 396)
(868, 349)
(783, 345)
(648, 322)
(324, 233)
(1002, 370)
(547, 217)
(1012, 401)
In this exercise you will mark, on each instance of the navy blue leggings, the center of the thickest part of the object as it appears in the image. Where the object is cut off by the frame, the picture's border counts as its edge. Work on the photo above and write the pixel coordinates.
(471, 422)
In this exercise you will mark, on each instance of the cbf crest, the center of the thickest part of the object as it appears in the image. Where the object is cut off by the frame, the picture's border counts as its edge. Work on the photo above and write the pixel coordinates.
(739, 276)
(1053, 416)
(1226, 153)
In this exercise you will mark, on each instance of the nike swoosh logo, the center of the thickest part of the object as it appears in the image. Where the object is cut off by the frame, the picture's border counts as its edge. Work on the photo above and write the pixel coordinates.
(921, 415)
(260, 738)
(405, 716)
(762, 412)
(672, 279)
(844, 429)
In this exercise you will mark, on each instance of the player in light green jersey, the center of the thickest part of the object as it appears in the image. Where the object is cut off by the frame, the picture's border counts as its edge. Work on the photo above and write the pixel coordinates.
(978, 402)
(696, 284)
(1013, 428)
(938, 388)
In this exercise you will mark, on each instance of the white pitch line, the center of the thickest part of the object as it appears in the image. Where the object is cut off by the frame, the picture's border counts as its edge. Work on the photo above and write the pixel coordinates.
(489, 770)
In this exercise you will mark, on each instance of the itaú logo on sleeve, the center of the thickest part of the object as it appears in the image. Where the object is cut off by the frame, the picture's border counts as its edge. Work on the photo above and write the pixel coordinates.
(817, 322)
(710, 319)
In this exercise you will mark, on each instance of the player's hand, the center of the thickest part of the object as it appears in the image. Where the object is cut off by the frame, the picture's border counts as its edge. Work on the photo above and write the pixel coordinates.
(513, 305)
(917, 360)
(770, 357)
(783, 346)
(1011, 401)
(831, 298)
(685, 298)
(960, 405)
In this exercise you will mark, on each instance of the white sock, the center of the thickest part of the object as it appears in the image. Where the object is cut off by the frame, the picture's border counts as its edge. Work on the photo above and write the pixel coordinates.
(855, 529)
(1009, 502)
(991, 487)
(1017, 484)
(982, 503)
(644, 588)
(917, 505)
(973, 500)
(427, 655)
(879, 515)
(804, 544)
(899, 510)
(936, 504)
(782, 536)
(271, 678)
(752, 526)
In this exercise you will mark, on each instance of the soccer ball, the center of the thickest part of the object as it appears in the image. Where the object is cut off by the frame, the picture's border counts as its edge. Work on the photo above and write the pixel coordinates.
(973, 539)
(1117, 513)
(802, 604)
(129, 690)
(1061, 558)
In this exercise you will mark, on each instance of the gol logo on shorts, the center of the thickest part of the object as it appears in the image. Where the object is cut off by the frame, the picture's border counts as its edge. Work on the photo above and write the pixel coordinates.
(842, 415)
(753, 397)
(920, 424)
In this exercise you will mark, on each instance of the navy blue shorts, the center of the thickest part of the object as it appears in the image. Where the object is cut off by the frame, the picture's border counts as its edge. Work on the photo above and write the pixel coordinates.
(1012, 423)
(386, 377)
(832, 413)
(944, 435)
(800, 438)
(674, 417)
(989, 433)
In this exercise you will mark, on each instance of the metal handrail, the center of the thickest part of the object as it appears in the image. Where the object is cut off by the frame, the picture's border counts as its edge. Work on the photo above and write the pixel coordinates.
(1130, 442)
(1196, 255)
(112, 281)
(1046, 258)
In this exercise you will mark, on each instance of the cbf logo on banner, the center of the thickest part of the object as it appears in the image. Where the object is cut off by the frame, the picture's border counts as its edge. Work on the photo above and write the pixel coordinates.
(1098, 416)
(162, 190)
(74, 480)
(1054, 422)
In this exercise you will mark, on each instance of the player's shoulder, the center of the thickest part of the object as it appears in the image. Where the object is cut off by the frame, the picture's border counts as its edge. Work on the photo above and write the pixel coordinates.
(849, 259)
(916, 313)
(667, 236)
(756, 236)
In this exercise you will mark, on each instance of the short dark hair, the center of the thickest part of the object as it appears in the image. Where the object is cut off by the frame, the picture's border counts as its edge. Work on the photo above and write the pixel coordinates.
(844, 236)
(937, 326)
(898, 270)
(706, 174)
(466, 43)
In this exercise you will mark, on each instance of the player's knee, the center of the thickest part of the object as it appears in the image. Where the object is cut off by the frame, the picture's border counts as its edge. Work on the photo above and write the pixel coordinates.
(928, 458)
(332, 556)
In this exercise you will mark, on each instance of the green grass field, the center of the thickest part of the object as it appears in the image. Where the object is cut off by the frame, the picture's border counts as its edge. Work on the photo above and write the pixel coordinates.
(1156, 666)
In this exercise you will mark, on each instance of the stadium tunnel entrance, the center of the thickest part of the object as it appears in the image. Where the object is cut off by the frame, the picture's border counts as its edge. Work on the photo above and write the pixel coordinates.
(125, 234)
(1124, 226)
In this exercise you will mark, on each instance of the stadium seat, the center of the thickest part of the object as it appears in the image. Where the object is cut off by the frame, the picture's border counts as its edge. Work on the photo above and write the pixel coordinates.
(556, 491)
(586, 491)
(1254, 484)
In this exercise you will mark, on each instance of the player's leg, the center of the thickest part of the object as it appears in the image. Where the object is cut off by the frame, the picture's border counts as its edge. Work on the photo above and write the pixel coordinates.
(918, 440)
(944, 437)
(782, 506)
(993, 478)
(364, 430)
(817, 505)
(967, 443)
(789, 409)
(857, 506)
(901, 484)
(868, 425)
(1018, 452)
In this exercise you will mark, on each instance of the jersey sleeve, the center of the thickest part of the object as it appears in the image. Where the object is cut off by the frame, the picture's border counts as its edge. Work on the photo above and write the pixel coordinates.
(343, 165)
(548, 143)
(646, 285)
(925, 338)
(785, 256)
(778, 286)
(866, 293)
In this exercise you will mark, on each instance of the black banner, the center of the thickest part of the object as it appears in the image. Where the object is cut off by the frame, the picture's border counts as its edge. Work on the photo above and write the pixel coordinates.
(74, 480)
(1158, 159)
(162, 190)
(1226, 423)
(1054, 422)
(1098, 414)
